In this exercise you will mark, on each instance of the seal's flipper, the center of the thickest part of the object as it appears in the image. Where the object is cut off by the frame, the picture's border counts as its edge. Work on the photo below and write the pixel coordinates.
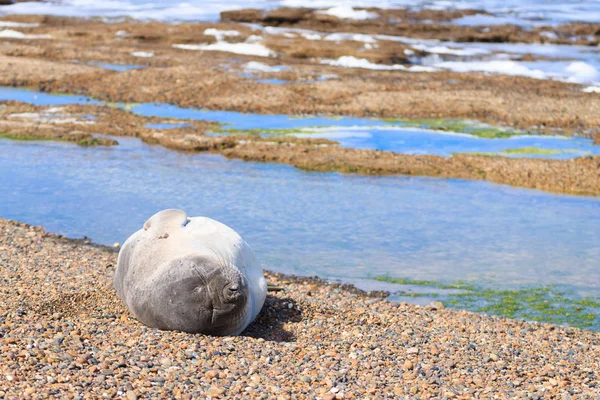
(166, 219)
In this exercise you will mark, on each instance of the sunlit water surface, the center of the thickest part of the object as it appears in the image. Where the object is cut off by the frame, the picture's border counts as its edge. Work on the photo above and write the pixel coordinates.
(362, 133)
(331, 225)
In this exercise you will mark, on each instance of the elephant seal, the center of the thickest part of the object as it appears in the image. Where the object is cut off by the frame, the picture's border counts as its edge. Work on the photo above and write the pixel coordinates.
(194, 275)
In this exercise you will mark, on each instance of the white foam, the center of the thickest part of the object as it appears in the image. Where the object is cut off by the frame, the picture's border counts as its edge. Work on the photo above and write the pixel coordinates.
(581, 72)
(549, 35)
(54, 110)
(447, 50)
(220, 34)
(250, 49)
(143, 54)
(574, 72)
(254, 39)
(10, 34)
(353, 62)
(11, 24)
(522, 12)
(359, 37)
(310, 36)
(489, 20)
(256, 66)
(347, 12)
(505, 67)
(591, 89)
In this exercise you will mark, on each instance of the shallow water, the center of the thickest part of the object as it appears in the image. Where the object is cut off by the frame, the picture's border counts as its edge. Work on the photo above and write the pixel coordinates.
(360, 133)
(332, 225)
(422, 141)
(116, 67)
(519, 12)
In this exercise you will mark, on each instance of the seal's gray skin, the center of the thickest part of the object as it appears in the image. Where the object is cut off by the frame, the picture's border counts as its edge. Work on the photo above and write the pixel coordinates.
(190, 274)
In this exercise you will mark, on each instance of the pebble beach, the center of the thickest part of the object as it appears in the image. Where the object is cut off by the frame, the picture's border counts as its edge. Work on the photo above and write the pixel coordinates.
(65, 334)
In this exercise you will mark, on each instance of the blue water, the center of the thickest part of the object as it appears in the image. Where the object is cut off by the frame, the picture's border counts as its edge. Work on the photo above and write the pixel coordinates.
(422, 141)
(116, 67)
(521, 12)
(331, 225)
(360, 133)
(272, 81)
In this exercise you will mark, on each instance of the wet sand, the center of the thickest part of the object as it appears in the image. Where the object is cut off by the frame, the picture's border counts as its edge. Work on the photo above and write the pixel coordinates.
(64, 333)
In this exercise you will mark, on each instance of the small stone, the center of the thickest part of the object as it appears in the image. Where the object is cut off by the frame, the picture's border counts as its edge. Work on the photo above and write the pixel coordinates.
(215, 391)
(211, 374)
(408, 365)
(412, 350)
(328, 396)
(165, 362)
(29, 391)
(116, 245)
(131, 395)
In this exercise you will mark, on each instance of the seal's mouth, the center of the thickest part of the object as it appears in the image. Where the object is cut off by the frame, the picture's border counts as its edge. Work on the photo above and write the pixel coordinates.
(222, 315)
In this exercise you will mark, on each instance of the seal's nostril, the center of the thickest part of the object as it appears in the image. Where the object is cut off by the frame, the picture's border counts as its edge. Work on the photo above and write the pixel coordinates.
(234, 288)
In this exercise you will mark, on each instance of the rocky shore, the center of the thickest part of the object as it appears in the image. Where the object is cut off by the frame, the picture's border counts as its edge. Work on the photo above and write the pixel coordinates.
(65, 55)
(64, 333)
(82, 123)
(67, 62)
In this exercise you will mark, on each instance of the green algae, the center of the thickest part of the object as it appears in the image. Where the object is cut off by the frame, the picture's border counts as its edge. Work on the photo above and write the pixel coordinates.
(474, 128)
(533, 151)
(96, 142)
(540, 303)
(86, 142)
(24, 138)
(460, 285)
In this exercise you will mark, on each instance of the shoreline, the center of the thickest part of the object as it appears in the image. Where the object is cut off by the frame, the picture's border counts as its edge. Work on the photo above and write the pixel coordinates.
(63, 325)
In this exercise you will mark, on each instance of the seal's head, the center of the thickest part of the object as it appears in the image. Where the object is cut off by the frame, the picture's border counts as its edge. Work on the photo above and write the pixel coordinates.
(198, 294)
(226, 297)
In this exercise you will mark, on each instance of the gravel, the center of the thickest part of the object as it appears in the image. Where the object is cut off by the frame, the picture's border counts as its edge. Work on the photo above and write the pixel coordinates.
(64, 333)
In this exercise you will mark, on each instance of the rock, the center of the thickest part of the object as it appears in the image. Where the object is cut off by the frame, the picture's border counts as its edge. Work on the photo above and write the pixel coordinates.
(165, 362)
(215, 391)
(248, 15)
(286, 15)
(131, 395)
(211, 374)
(408, 365)
(437, 305)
